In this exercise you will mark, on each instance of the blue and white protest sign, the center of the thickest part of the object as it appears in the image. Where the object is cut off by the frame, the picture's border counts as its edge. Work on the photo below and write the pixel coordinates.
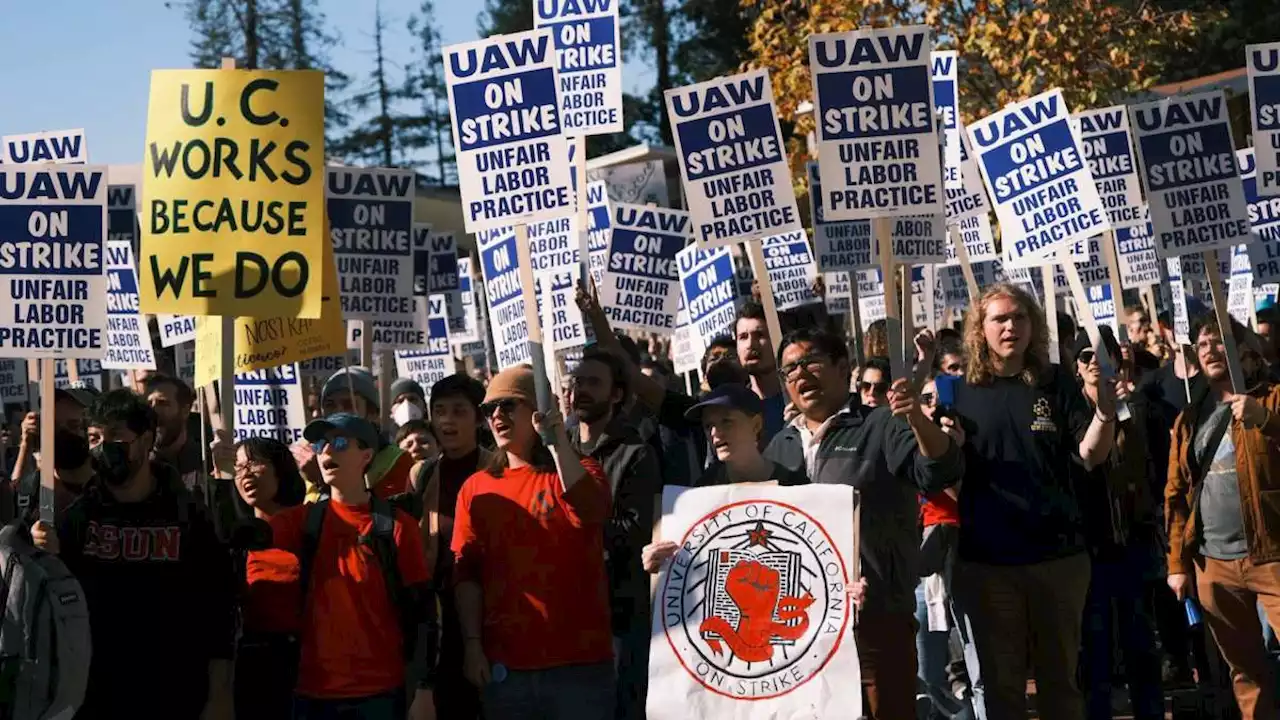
(122, 214)
(642, 283)
(1103, 307)
(792, 272)
(128, 337)
(870, 297)
(1136, 257)
(184, 362)
(841, 246)
(975, 232)
(89, 371)
(1035, 174)
(922, 295)
(946, 100)
(839, 293)
(877, 139)
(175, 329)
(399, 334)
(1263, 67)
(710, 292)
(1089, 261)
(53, 229)
(970, 199)
(1264, 221)
(686, 346)
(599, 229)
(435, 361)
(737, 182)
(502, 289)
(14, 386)
(1178, 296)
(269, 403)
(955, 292)
(442, 267)
(589, 53)
(465, 329)
(561, 317)
(920, 239)
(371, 225)
(511, 147)
(1240, 287)
(1189, 170)
(553, 246)
(57, 147)
(1104, 137)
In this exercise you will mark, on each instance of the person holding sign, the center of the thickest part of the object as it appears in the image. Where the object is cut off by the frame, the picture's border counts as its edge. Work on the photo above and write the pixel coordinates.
(1222, 525)
(1023, 569)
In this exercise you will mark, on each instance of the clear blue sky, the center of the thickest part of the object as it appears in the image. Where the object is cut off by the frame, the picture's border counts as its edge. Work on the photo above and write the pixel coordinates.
(87, 63)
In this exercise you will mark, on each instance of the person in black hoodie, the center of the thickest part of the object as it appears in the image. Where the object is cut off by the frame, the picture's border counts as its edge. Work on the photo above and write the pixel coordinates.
(598, 392)
(159, 584)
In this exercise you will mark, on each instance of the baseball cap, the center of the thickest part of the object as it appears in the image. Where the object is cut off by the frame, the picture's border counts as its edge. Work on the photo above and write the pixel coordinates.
(361, 381)
(81, 393)
(728, 395)
(350, 425)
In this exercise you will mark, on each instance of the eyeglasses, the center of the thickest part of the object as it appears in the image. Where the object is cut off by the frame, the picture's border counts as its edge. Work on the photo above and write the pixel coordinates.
(876, 388)
(506, 406)
(811, 364)
(339, 444)
(252, 467)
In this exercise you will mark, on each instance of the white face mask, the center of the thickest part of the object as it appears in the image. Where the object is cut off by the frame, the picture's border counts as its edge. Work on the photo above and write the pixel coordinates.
(406, 411)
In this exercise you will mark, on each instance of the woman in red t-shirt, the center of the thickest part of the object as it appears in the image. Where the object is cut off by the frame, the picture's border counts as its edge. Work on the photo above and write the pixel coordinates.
(267, 481)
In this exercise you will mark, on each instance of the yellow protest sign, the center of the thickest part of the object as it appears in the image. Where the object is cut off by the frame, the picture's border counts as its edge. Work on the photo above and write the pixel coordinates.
(266, 343)
(233, 180)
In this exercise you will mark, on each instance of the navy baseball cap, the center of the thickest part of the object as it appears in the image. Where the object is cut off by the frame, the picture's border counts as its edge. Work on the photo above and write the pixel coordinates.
(728, 395)
(350, 425)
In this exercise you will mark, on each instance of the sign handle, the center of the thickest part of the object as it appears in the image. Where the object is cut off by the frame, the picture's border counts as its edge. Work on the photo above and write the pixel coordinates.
(73, 369)
(1117, 292)
(1051, 313)
(881, 231)
(755, 255)
(908, 314)
(855, 321)
(962, 254)
(48, 426)
(584, 215)
(227, 383)
(1224, 321)
(542, 385)
(388, 374)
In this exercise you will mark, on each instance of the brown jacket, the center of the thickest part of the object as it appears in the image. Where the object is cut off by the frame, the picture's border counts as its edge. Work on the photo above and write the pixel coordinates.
(1258, 471)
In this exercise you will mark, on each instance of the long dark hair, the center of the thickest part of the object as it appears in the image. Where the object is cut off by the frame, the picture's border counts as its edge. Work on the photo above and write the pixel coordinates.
(291, 489)
(540, 459)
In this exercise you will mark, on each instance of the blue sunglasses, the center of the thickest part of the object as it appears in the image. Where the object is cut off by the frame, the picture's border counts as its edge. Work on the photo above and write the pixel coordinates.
(339, 443)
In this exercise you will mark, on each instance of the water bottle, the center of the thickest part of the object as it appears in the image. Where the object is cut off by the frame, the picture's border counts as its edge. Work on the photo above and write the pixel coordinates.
(498, 673)
(1193, 612)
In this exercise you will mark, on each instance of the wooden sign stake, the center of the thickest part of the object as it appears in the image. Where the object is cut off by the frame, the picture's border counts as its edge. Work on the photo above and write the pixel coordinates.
(542, 386)
(881, 231)
(1224, 322)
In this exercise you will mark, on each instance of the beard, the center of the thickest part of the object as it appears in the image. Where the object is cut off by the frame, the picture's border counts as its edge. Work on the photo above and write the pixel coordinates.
(591, 411)
(169, 433)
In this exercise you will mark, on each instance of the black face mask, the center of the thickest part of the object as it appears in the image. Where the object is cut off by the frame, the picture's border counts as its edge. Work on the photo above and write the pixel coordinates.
(70, 451)
(112, 462)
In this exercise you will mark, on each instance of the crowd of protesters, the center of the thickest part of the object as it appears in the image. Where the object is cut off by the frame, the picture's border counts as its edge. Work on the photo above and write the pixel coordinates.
(1019, 519)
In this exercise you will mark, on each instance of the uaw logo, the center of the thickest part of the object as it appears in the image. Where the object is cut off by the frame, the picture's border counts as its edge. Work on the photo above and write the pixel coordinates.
(755, 604)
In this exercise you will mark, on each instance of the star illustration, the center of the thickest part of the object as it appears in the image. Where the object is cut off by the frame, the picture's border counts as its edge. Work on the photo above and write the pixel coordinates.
(759, 536)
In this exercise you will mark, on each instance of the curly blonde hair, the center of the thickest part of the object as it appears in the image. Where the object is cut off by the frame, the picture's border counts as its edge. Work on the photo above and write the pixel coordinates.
(979, 369)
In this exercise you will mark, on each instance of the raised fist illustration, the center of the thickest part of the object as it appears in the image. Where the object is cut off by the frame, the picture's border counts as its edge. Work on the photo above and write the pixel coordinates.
(753, 586)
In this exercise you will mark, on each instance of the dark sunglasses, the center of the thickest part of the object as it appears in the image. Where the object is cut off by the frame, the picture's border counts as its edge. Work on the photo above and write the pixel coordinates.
(927, 398)
(505, 405)
(339, 443)
(1086, 356)
(877, 388)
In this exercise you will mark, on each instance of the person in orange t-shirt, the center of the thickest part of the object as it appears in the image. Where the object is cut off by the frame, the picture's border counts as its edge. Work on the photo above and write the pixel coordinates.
(528, 539)
(354, 637)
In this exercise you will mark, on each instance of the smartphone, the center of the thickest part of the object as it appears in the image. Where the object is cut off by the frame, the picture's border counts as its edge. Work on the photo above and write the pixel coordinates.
(945, 387)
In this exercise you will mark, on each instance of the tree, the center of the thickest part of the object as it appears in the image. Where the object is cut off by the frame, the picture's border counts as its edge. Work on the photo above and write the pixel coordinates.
(1228, 28)
(377, 139)
(503, 17)
(214, 31)
(430, 129)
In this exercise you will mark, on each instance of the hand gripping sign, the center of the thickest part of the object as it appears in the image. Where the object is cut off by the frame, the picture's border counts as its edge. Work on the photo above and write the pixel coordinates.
(877, 139)
(1263, 63)
(732, 160)
(507, 131)
(234, 177)
(589, 54)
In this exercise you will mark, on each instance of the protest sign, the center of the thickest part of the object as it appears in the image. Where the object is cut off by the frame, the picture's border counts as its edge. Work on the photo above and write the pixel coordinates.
(1189, 170)
(269, 403)
(955, 292)
(14, 385)
(440, 275)
(946, 100)
(707, 281)
(234, 182)
(918, 239)
(970, 198)
(870, 297)
(1178, 295)
(507, 131)
(736, 178)
(553, 246)
(184, 362)
(128, 337)
(751, 553)
(876, 136)
(1034, 170)
(589, 57)
(53, 228)
(641, 284)
(57, 147)
(175, 329)
(464, 329)
(1240, 287)
(1136, 253)
(1104, 138)
(89, 373)
(838, 246)
(599, 230)
(1264, 221)
(318, 369)
(371, 214)
(122, 215)
(839, 293)
(561, 317)
(1089, 261)
(921, 295)
(1263, 67)
(1103, 307)
(503, 291)
(975, 231)
(638, 183)
(686, 345)
(434, 362)
(792, 272)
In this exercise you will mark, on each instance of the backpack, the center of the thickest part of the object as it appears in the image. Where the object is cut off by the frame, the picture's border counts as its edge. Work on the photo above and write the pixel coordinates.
(44, 634)
(381, 539)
